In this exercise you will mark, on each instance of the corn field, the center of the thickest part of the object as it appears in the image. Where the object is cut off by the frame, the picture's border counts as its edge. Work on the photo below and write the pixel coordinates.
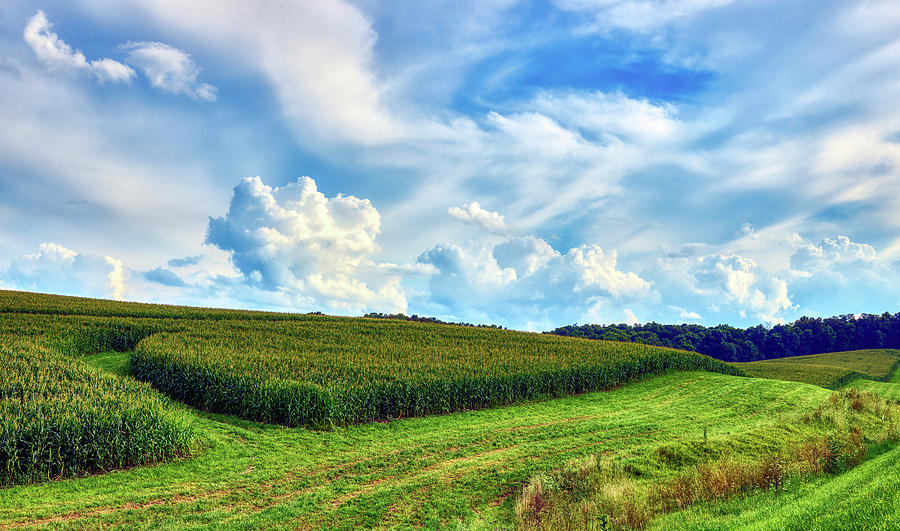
(60, 418)
(63, 418)
(326, 371)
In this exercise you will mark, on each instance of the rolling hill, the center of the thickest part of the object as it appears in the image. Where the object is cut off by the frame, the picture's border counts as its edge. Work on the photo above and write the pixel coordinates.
(533, 417)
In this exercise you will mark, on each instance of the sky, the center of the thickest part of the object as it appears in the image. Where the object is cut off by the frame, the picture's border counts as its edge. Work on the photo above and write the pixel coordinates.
(528, 164)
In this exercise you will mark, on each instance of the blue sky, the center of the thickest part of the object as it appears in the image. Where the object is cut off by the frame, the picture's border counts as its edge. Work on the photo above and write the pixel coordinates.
(531, 164)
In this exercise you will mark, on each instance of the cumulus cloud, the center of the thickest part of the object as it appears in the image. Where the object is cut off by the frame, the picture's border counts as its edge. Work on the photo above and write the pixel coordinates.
(773, 275)
(474, 214)
(169, 69)
(524, 255)
(57, 55)
(829, 253)
(317, 249)
(523, 279)
(727, 279)
(683, 313)
(56, 269)
(854, 276)
(602, 312)
(116, 277)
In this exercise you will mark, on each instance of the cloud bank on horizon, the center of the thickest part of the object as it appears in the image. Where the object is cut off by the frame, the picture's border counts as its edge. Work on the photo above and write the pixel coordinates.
(530, 165)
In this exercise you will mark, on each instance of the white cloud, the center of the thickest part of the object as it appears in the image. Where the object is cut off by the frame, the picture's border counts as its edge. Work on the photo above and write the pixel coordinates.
(683, 313)
(830, 253)
(631, 318)
(522, 279)
(545, 169)
(56, 269)
(169, 69)
(473, 213)
(108, 70)
(595, 270)
(315, 249)
(601, 312)
(318, 57)
(57, 55)
(116, 277)
(730, 278)
(524, 255)
(610, 114)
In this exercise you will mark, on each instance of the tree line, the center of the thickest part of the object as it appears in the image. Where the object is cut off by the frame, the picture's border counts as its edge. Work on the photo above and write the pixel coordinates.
(422, 319)
(807, 335)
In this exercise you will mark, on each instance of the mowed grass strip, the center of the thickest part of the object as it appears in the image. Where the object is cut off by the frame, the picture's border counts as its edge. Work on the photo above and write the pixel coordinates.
(60, 418)
(830, 370)
(328, 371)
(434, 471)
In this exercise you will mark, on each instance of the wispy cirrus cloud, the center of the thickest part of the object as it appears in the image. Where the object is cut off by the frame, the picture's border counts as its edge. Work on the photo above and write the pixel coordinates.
(601, 140)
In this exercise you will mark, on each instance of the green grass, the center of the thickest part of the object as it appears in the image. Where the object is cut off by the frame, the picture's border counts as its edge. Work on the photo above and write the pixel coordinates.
(830, 370)
(114, 362)
(862, 498)
(442, 470)
(890, 391)
(831, 440)
(323, 371)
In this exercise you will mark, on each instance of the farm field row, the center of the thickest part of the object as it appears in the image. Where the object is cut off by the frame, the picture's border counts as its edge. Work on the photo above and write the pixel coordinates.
(61, 418)
(327, 371)
(830, 370)
(463, 467)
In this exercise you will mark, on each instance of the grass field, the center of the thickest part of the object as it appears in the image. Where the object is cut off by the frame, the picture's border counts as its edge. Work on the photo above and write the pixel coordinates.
(890, 391)
(463, 467)
(836, 437)
(830, 370)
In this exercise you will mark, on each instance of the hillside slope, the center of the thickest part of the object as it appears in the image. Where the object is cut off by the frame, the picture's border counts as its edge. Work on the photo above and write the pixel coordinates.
(862, 498)
(433, 471)
(830, 370)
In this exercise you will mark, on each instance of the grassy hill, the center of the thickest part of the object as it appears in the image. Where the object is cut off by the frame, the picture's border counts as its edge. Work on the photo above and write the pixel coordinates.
(862, 498)
(463, 467)
(473, 468)
(830, 370)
